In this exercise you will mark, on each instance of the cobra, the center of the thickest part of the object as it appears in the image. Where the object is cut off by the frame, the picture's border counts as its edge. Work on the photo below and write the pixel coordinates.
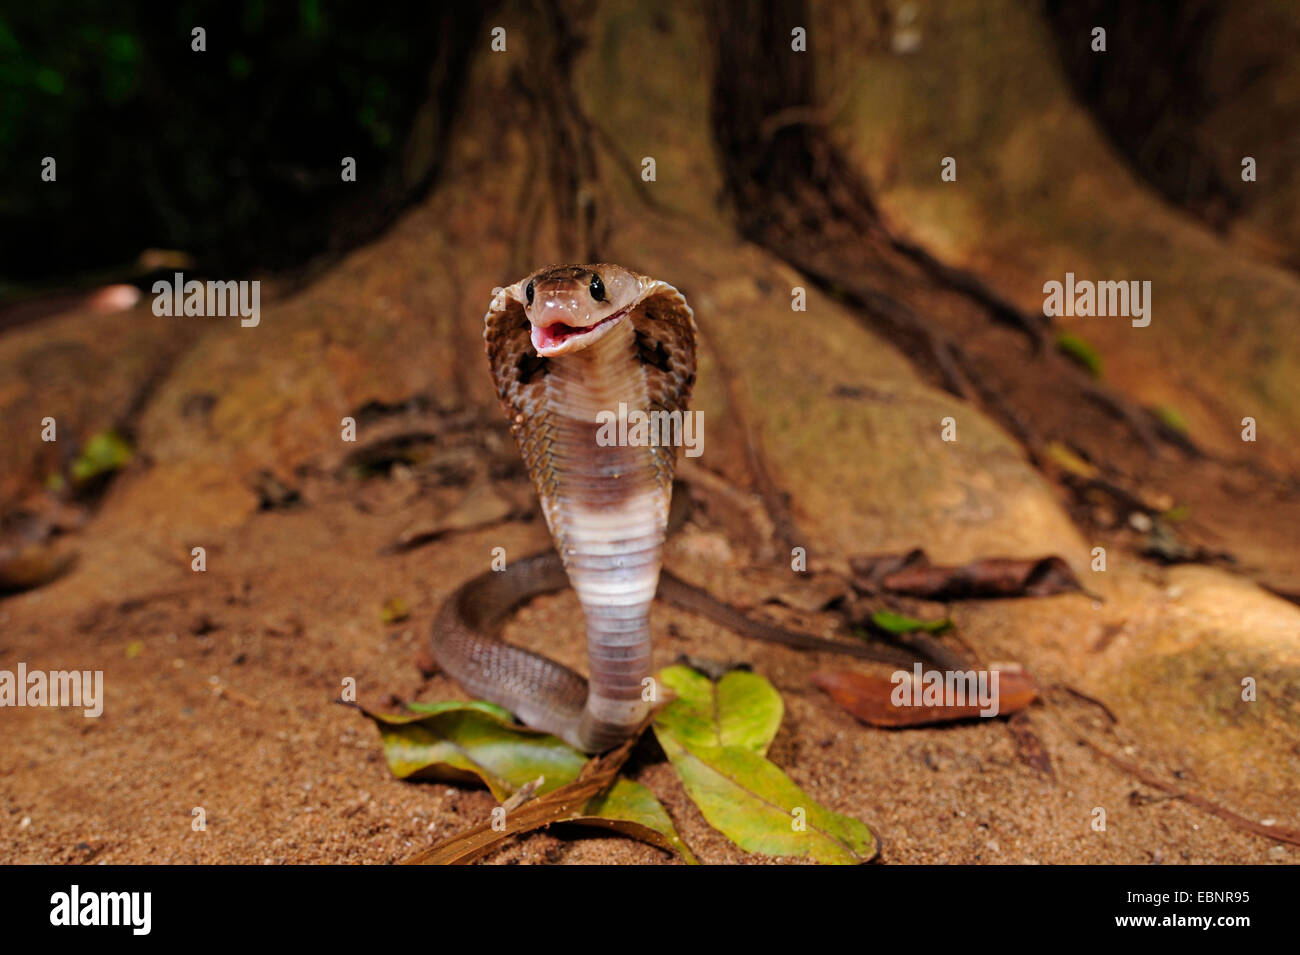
(563, 345)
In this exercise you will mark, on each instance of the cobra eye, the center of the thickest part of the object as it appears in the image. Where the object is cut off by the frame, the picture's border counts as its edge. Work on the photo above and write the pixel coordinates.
(528, 293)
(597, 288)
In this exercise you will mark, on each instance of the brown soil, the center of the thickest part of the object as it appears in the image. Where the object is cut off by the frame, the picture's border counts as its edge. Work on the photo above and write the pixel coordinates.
(221, 686)
(220, 689)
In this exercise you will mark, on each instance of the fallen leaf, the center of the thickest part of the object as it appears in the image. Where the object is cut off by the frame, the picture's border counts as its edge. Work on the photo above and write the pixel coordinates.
(740, 709)
(630, 808)
(106, 451)
(870, 571)
(568, 802)
(394, 610)
(714, 736)
(481, 705)
(870, 698)
(914, 575)
(464, 741)
(755, 805)
(1171, 417)
(1067, 459)
(901, 623)
(1080, 352)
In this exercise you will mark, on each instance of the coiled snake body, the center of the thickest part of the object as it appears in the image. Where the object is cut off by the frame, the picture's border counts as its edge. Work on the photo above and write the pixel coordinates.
(565, 344)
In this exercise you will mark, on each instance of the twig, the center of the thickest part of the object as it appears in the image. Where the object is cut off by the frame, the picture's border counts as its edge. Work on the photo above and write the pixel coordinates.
(556, 806)
(1079, 694)
(1146, 776)
(523, 794)
(1279, 833)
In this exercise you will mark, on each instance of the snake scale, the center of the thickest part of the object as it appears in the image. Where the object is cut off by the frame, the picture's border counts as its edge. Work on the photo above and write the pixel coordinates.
(564, 344)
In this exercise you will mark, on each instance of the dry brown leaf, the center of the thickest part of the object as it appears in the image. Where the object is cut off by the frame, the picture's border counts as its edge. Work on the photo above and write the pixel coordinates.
(559, 805)
(913, 574)
(870, 698)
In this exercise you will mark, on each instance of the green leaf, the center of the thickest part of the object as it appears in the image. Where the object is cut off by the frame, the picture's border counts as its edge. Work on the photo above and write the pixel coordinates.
(1080, 352)
(482, 705)
(742, 709)
(632, 809)
(50, 81)
(715, 737)
(105, 451)
(394, 610)
(1066, 458)
(464, 742)
(759, 808)
(901, 623)
(1171, 417)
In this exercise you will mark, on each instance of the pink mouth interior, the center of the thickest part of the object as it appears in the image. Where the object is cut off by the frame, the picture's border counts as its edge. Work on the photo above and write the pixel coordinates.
(551, 336)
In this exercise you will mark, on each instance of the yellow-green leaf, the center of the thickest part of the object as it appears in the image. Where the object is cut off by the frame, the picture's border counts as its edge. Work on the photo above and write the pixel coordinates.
(741, 709)
(1070, 461)
(468, 741)
(1171, 417)
(715, 737)
(632, 809)
(105, 451)
(394, 610)
(1080, 352)
(463, 741)
(483, 705)
(901, 623)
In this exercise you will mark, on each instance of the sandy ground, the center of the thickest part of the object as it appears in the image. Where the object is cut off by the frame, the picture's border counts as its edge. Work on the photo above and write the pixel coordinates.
(220, 686)
(219, 695)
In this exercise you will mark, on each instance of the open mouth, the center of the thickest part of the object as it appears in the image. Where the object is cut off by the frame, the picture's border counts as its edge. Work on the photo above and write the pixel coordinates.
(559, 338)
